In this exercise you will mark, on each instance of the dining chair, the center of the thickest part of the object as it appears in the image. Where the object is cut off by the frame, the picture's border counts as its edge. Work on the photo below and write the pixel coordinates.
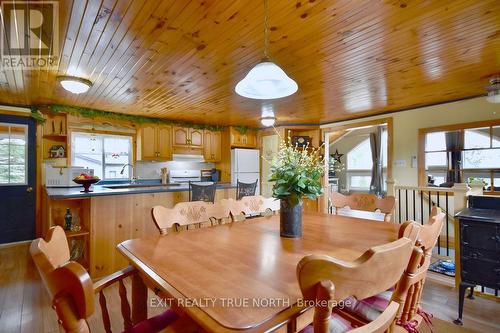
(408, 291)
(324, 281)
(73, 294)
(364, 201)
(184, 215)
(245, 189)
(251, 206)
(202, 192)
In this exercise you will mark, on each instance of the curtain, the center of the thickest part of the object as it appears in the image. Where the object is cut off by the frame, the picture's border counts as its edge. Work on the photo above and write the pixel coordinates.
(454, 147)
(375, 144)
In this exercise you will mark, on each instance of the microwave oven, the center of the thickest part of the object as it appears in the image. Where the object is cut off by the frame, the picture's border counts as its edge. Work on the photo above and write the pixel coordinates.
(63, 176)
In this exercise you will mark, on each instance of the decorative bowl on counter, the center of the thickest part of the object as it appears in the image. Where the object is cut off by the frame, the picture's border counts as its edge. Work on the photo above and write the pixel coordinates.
(86, 181)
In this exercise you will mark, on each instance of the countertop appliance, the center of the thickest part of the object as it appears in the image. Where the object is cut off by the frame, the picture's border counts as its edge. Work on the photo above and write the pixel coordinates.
(184, 176)
(245, 166)
(63, 176)
(479, 227)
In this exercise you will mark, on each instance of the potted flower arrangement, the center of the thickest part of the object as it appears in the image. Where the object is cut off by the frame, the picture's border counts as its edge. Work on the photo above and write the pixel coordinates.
(297, 173)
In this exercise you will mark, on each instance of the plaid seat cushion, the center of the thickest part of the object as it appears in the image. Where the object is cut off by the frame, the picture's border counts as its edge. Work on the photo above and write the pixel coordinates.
(369, 308)
(337, 325)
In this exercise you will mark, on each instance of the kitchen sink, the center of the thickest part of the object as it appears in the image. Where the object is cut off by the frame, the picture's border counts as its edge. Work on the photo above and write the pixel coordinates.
(139, 185)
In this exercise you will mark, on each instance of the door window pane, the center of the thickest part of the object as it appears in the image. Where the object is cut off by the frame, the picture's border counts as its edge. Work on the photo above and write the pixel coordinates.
(13, 150)
(477, 138)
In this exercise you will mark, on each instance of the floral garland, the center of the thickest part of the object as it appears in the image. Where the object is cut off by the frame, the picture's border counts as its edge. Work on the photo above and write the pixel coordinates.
(92, 113)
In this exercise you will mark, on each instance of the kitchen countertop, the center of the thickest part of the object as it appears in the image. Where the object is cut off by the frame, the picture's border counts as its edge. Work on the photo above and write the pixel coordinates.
(104, 190)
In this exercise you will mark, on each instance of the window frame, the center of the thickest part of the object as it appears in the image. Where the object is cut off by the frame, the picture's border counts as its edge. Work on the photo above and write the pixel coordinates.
(130, 134)
(26, 164)
(422, 170)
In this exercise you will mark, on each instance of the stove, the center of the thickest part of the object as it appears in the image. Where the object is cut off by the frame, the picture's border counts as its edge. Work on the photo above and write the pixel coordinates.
(184, 176)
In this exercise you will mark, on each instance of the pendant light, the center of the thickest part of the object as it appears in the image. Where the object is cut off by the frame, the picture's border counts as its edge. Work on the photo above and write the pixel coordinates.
(266, 80)
(494, 90)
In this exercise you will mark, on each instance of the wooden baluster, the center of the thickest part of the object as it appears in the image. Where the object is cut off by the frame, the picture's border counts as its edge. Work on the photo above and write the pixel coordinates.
(125, 307)
(105, 314)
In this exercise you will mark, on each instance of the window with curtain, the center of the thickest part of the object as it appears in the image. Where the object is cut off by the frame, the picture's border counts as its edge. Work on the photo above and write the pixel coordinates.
(359, 164)
(476, 156)
(106, 154)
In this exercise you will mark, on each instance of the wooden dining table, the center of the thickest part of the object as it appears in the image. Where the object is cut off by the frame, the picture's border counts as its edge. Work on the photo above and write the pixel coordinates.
(241, 277)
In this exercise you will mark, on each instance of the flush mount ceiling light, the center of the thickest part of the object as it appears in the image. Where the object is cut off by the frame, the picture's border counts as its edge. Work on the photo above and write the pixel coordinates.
(268, 121)
(76, 85)
(266, 80)
(494, 90)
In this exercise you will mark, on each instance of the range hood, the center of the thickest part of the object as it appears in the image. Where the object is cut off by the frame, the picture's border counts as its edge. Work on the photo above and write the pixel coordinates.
(188, 158)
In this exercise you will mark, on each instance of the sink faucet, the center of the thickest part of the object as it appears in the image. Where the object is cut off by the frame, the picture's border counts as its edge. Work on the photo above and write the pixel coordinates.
(134, 178)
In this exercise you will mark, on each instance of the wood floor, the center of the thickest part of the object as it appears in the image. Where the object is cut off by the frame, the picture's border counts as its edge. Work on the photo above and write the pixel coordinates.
(25, 306)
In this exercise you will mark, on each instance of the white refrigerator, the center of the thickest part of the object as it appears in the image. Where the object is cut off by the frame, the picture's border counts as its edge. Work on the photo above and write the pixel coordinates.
(245, 166)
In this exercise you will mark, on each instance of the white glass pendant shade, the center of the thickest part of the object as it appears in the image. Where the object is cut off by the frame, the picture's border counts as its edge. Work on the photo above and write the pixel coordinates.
(494, 90)
(266, 81)
(75, 85)
(267, 121)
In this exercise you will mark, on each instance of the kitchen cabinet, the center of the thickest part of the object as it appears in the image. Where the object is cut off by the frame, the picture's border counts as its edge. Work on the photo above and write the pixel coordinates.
(156, 143)
(243, 140)
(187, 137)
(212, 146)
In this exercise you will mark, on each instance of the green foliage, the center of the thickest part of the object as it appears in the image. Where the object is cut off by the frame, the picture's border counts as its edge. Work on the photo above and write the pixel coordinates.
(241, 129)
(92, 113)
(297, 173)
(35, 114)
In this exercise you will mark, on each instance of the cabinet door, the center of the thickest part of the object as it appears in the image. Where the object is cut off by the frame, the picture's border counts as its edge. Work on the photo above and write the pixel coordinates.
(196, 138)
(148, 143)
(207, 145)
(181, 136)
(164, 143)
(216, 146)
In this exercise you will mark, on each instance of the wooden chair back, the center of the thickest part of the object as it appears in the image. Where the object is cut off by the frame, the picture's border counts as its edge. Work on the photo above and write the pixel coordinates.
(189, 215)
(364, 201)
(70, 287)
(68, 284)
(325, 280)
(409, 289)
(255, 205)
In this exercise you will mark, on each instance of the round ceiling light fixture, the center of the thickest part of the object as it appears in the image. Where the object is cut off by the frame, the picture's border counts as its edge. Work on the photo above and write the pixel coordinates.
(266, 80)
(75, 85)
(494, 90)
(268, 121)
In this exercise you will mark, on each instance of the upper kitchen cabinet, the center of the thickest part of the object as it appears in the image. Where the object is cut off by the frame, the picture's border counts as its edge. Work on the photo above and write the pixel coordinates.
(187, 137)
(156, 143)
(243, 140)
(212, 146)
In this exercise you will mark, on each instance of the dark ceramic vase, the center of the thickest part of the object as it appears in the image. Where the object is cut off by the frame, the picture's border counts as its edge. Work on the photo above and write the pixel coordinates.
(290, 220)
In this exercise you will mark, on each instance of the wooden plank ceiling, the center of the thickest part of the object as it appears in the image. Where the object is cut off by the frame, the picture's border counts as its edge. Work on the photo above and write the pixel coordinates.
(181, 59)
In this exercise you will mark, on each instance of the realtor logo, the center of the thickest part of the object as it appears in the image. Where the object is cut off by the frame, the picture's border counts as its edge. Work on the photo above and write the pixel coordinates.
(30, 39)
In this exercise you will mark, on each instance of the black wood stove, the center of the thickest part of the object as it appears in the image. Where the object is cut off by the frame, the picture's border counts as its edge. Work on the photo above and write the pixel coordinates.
(479, 246)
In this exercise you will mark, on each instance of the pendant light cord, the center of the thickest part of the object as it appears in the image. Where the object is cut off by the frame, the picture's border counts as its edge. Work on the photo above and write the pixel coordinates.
(266, 29)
